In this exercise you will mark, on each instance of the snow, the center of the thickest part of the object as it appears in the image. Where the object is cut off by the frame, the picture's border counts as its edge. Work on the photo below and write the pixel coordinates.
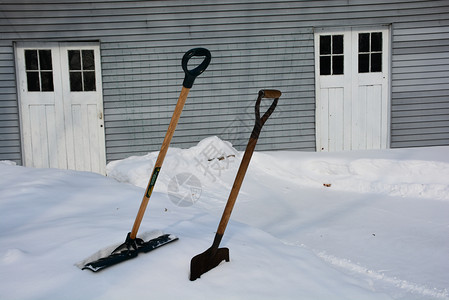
(344, 225)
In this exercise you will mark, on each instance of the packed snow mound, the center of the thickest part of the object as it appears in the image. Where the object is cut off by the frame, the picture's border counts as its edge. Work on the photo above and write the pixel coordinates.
(214, 161)
(7, 162)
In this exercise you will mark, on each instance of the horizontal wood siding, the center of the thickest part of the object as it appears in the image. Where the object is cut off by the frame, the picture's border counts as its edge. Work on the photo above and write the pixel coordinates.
(255, 44)
(420, 85)
(9, 114)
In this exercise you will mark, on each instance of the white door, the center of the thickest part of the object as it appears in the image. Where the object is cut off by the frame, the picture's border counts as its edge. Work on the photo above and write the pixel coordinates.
(61, 105)
(352, 89)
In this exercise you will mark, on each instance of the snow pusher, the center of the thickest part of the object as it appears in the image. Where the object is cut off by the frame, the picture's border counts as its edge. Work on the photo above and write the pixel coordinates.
(133, 245)
(213, 256)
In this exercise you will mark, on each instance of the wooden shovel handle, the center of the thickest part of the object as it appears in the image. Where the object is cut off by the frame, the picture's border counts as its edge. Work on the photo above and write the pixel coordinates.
(247, 157)
(190, 76)
(159, 161)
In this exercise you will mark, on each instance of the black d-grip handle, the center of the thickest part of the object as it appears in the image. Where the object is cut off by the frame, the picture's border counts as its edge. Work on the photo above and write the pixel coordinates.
(192, 74)
(273, 94)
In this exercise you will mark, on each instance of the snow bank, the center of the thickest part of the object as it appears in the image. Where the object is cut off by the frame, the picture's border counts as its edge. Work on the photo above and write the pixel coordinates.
(215, 162)
(53, 218)
(354, 225)
(404, 178)
(208, 160)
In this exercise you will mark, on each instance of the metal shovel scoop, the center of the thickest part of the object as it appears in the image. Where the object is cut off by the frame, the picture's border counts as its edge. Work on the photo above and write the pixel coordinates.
(213, 256)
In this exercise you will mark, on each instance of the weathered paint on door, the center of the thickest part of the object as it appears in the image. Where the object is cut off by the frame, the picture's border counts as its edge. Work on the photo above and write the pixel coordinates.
(61, 105)
(352, 89)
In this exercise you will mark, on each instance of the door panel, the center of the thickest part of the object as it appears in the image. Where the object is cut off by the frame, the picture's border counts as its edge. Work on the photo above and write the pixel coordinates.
(83, 106)
(42, 120)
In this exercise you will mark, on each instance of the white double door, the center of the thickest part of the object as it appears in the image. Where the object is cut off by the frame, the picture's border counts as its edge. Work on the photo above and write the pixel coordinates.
(352, 89)
(61, 105)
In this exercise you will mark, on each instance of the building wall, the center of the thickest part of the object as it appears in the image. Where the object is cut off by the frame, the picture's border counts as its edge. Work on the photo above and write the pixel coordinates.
(420, 82)
(255, 44)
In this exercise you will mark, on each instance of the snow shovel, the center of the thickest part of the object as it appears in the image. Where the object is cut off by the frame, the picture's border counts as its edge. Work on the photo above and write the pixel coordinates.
(133, 245)
(213, 256)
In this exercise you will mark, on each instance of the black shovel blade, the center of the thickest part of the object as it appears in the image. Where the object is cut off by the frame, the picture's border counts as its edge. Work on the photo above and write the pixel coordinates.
(207, 260)
(119, 256)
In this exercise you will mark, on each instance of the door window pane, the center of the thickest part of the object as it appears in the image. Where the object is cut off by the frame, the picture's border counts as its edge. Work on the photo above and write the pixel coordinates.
(325, 44)
(74, 60)
(45, 60)
(33, 82)
(364, 42)
(363, 63)
(376, 41)
(337, 66)
(89, 81)
(376, 62)
(39, 70)
(331, 55)
(76, 84)
(325, 65)
(370, 52)
(337, 44)
(31, 62)
(47, 81)
(88, 60)
(82, 70)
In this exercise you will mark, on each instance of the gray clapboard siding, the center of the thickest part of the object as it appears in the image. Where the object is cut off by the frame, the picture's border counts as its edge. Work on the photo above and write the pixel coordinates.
(255, 44)
(228, 73)
(420, 85)
(9, 116)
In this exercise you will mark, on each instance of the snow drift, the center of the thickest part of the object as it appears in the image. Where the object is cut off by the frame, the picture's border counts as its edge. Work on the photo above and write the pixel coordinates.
(349, 225)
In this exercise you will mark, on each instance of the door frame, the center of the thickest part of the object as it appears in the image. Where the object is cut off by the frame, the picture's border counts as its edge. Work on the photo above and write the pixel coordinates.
(349, 63)
(59, 93)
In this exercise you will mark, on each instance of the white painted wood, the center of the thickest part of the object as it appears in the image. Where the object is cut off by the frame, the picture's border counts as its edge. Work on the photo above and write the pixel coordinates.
(335, 107)
(84, 115)
(373, 91)
(61, 129)
(353, 109)
(42, 119)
